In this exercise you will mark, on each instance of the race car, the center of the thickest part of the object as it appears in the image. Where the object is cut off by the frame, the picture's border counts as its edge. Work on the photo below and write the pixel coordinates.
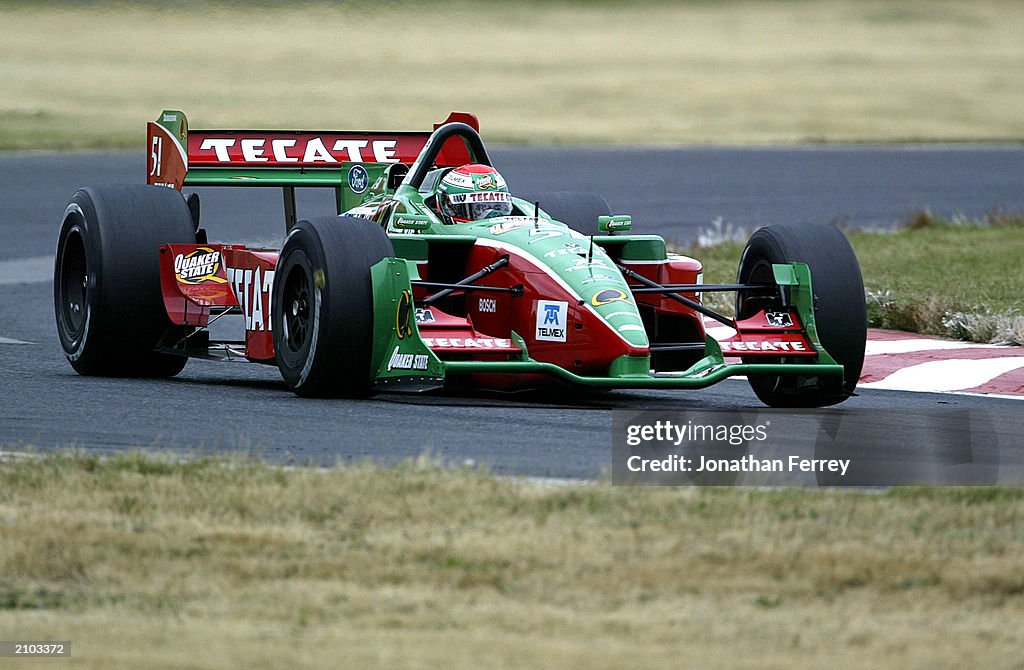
(432, 272)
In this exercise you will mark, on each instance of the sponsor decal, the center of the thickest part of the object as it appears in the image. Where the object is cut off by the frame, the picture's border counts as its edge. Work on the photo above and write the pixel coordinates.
(509, 223)
(612, 224)
(296, 150)
(459, 179)
(252, 289)
(594, 278)
(199, 266)
(406, 223)
(488, 196)
(358, 180)
(365, 211)
(467, 342)
(401, 361)
(584, 264)
(488, 305)
(502, 228)
(538, 234)
(763, 346)
(403, 316)
(552, 316)
(486, 182)
(779, 319)
(568, 249)
(424, 315)
(609, 295)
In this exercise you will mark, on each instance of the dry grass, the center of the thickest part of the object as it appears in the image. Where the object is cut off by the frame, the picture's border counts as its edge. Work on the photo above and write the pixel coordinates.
(143, 561)
(90, 75)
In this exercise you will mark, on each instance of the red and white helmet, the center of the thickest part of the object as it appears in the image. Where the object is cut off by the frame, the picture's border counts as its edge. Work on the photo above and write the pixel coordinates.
(472, 192)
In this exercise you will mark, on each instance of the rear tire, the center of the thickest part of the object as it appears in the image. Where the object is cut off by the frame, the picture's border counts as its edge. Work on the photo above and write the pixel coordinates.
(323, 306)
(576, 209)
(106, 281)
(840, 312)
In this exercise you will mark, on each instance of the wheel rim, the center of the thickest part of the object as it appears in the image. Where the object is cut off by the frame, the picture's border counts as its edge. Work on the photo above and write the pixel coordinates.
(760, 273)
(297, 308)
(74, 285)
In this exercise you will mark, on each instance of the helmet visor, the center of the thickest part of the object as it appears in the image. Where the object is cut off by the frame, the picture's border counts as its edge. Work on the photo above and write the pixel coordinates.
(478, 205)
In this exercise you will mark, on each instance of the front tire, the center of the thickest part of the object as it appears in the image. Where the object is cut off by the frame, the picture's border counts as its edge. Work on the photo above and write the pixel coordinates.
(106, 281)
(840, 312)
(323, 306)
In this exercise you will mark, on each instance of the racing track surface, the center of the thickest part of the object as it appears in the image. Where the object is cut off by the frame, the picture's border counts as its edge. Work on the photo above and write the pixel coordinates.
(246, 407)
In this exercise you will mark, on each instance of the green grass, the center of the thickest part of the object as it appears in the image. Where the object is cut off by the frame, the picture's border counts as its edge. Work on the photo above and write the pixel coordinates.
(148, 561)
(91, 74)
(956, 278)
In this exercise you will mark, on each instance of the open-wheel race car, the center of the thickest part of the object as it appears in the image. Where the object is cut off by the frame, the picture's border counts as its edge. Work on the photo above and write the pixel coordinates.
(432, 272)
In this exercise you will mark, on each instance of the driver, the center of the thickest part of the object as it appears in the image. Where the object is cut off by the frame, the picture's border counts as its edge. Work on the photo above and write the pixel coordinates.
(470, 193)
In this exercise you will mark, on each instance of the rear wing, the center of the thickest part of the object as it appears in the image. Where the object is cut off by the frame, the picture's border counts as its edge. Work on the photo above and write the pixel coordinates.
(181, 157)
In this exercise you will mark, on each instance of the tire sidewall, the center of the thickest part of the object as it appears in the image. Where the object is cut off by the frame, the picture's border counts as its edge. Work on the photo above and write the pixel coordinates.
(300, 253)
(337, 254)
(77, 219)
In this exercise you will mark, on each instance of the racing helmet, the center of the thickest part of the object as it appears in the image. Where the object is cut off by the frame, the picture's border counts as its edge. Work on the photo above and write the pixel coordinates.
(472, 192)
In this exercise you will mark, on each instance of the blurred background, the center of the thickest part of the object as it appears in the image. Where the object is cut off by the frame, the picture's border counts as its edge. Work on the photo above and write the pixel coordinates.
(88, 74)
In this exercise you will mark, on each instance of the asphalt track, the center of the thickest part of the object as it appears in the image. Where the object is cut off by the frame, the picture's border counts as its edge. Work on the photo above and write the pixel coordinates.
(242, 407)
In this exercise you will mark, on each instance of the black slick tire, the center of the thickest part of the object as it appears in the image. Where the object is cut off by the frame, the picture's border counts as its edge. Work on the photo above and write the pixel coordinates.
(106, 282)
(840, 312)
(323, 306)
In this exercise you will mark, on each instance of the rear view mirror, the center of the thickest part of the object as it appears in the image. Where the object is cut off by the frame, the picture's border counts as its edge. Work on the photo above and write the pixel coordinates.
(614, 224)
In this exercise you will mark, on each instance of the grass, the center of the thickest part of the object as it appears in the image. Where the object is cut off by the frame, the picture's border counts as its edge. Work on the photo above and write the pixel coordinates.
(91, 74)
(955, 277)
(144, 560)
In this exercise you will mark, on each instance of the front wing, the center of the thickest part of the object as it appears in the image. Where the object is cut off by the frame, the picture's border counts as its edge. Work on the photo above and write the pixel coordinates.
(401, 357)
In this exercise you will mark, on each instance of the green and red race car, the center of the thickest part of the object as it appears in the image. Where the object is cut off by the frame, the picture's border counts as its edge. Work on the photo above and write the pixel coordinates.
(431, 273)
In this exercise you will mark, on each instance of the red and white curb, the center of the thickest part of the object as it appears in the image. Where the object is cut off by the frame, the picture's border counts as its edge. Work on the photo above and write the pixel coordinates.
(909, 362)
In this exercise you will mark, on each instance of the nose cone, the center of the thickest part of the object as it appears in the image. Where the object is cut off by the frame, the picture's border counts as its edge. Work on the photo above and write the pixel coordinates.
(603, 322)
(614, 305)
